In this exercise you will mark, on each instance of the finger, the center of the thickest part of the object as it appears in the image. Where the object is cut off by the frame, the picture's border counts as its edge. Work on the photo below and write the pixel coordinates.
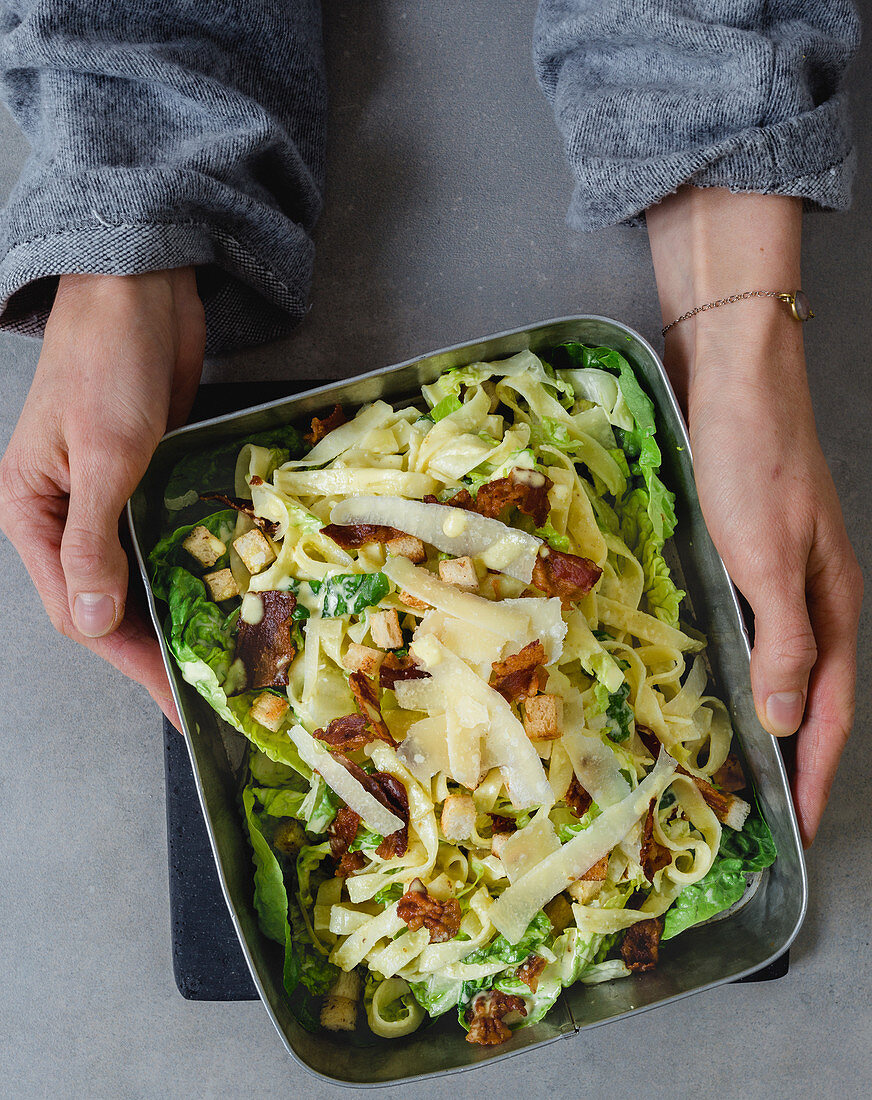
(784, 652)
(835, 599)
(94, 564)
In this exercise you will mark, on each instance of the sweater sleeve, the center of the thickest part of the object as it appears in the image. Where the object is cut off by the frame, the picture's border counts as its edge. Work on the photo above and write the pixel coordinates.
(166, 133)
(743, 94)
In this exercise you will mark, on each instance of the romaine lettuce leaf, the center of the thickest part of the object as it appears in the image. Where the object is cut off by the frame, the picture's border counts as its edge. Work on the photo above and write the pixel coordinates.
(740, 854)
(637, 531)
(212, 470)
(350, 593)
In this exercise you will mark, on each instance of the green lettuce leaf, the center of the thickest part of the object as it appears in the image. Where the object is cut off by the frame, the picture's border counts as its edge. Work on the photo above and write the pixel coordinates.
(740, 854)
(639, 444)
(446, 407)
(212, 470)
(350, 593)
(617, 710)
(637, 531)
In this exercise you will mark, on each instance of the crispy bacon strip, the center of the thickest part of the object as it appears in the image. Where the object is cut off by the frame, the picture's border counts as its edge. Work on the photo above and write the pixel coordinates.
(730, 775)
(577, 798)
(352, 536)
(485, 1017)
(395, 668)
(641, 943)
(265, 648)
(348, 733)
(246, 508)
(565, 575)
(529, 971)
(501, 824)
(391, 793)
(342, 830)
(526, 490)
(320, 428)
(420, 910)
(653, 855)
(520, 675)
(367, 703)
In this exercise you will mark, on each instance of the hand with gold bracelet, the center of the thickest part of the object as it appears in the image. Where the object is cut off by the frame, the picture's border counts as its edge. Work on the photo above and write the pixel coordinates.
(765, 490)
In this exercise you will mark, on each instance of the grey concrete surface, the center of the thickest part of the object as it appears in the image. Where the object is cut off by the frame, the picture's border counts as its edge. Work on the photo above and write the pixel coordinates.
(444, 221)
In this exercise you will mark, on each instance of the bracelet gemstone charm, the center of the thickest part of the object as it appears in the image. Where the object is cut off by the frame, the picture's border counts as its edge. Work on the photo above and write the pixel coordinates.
(800, 306)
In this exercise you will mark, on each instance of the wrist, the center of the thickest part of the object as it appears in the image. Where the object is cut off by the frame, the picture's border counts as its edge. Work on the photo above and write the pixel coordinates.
(170, 290)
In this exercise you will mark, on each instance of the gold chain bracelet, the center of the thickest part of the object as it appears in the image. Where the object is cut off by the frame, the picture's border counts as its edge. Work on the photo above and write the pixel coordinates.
(799, 304)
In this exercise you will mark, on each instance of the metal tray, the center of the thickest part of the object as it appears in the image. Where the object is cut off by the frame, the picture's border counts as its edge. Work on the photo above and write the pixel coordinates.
(701, 958)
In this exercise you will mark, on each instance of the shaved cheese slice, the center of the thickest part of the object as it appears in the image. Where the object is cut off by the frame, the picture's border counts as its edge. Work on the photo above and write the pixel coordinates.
(466, 721)
(505, 744)
(374, 815)
(546, 624)
(509, 622)
(479, 647)
(337, 480)
(424, 749)
(529, 846)
(513, 910)
(645, 627)
(596, 766)
(452, 530)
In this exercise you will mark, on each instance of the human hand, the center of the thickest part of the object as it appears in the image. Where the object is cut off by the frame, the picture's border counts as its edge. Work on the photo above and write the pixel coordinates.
(772, 510)
(120, 366)
(765, 490)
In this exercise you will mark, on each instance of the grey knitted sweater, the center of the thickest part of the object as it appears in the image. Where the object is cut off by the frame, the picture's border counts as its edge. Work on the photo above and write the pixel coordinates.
(175, 132)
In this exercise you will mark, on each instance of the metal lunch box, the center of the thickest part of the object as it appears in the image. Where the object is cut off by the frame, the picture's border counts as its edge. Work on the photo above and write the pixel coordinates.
(749, 938)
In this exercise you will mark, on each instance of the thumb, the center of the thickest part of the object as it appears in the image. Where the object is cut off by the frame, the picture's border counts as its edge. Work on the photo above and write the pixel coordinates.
(94, 563)
(784, 653)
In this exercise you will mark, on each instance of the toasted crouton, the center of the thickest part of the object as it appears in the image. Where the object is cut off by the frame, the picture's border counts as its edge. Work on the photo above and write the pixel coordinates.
(559, 912)
(290, 837)
(269, 710)
(204, 546)
(384, 626)
(498, 843)
(584, 892)
(729, 809)
(255, 551)
(363, 658)
(407, 546)
(221, 585)
(339, 1012)
(458, 817)
(412, 601)
(543, 717)
(460, 572)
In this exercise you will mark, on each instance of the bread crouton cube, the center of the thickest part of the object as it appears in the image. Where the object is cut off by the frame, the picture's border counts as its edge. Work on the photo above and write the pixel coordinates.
(255, 551)
(269, 710)
(339, 1012)
(363, 658)
(583, 891)
(559, 912)
(460, 572)
(498, 843)
(543, 717)
(221, 585)
(458, 817)
(407, 546)
(412, 601)
(202, 545)
(384, 626)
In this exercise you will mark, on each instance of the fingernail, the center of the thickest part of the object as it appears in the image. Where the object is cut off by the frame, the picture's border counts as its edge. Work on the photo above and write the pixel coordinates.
(93, 614)
(784, 711)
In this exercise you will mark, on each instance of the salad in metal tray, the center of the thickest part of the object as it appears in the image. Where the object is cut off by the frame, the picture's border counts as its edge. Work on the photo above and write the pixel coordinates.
(485, 762)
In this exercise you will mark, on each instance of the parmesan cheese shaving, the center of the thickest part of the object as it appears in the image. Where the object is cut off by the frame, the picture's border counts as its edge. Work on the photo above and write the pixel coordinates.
(513, 910)
(374, 815)
(529, 846)
(597, 767)
(509, 622)
(452, 530)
